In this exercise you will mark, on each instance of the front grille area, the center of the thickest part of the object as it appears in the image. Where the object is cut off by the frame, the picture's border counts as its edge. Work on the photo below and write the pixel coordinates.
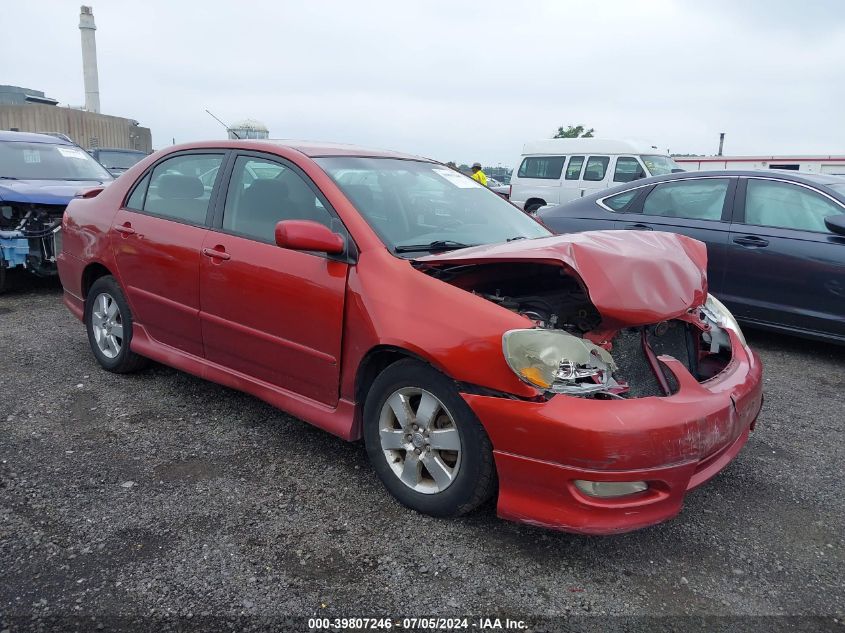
(633, 364)
(671, 338)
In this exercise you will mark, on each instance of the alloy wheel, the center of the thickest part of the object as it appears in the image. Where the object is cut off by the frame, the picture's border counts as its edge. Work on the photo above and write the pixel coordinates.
(107, 325)
(420, 440)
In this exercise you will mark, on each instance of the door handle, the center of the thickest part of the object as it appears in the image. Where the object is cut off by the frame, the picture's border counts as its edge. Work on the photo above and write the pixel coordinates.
(638, 227)
(752, 241)
(125, 228)
(216, 253)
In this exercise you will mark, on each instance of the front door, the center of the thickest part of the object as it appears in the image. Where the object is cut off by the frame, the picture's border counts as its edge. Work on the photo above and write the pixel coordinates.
(784, 266)
(273, 314)
(156, 240)
(596, 175)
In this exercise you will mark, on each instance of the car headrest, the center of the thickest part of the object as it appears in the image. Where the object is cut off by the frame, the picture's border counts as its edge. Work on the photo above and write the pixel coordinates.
(266, 191)
(361, 196)
(179, 187)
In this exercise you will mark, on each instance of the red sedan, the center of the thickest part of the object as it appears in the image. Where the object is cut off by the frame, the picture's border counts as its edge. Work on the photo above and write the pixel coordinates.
(587, 380)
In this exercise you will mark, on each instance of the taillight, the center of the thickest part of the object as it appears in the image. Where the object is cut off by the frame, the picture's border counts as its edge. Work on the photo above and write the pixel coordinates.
(510, 191)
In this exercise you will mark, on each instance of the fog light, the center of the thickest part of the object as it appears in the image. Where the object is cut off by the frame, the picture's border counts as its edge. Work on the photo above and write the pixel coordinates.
(608, 489)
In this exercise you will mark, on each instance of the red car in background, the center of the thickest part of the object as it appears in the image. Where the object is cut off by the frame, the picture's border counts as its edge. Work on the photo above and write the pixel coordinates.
(587, 380)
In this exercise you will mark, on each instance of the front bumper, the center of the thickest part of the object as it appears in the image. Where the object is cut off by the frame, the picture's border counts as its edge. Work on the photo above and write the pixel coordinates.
(674, 443)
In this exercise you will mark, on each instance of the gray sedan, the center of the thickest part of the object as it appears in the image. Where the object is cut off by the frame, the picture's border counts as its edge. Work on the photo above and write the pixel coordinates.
(775, 240)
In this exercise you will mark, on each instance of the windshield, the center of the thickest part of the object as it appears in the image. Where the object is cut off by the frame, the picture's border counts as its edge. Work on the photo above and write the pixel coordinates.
(119, 160)
(419, 207)
(659, 165)
(48, 161)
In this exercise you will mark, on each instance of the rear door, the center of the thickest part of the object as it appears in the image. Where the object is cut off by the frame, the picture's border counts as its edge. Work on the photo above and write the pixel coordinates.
(156, 240)
(784, 266)
(273, 314)
(697, 207)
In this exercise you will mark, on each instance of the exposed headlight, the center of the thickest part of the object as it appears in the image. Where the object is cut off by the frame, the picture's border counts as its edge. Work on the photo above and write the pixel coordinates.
(716, 311)
(556, 361)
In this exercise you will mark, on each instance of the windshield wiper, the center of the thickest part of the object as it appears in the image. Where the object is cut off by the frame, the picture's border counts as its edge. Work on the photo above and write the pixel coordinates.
(8, 178)
(437, 245)
(514, 239)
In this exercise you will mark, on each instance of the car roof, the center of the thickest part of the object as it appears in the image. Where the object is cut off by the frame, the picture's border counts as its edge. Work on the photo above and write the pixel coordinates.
(780, 174)
(32, 137)
(120, 149)
(313, 149)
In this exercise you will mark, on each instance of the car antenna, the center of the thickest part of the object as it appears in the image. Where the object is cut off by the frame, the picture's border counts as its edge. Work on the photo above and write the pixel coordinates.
(228, 129)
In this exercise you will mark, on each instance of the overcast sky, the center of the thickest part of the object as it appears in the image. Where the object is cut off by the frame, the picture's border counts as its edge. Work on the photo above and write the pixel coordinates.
(459, 81)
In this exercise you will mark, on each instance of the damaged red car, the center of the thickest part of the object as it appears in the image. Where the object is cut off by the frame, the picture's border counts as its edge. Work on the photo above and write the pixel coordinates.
(587, 380)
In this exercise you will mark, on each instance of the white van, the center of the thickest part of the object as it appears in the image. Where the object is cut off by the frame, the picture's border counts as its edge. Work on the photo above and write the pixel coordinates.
(554, 171)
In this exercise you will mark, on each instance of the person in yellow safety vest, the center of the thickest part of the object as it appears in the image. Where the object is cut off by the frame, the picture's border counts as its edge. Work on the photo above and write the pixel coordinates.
(478, 175)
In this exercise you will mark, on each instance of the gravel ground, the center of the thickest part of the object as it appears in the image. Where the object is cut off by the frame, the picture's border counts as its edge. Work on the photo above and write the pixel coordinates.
(124, 498)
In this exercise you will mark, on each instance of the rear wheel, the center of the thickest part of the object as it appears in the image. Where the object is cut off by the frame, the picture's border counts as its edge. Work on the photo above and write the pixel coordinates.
(531, 207)
(425, 443)
(108, 322)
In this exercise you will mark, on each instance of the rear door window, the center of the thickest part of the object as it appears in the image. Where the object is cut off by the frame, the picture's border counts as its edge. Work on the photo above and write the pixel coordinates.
(698, 199)
(596, 168)
(136, 199)
(573, 170)
(177, 190)
(544, 167)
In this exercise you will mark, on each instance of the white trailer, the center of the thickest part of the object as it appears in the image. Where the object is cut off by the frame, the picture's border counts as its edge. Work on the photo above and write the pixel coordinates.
(834, 165)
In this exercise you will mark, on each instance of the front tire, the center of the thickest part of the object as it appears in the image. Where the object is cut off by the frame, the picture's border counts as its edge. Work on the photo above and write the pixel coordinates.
(108, 322)
(425, 443)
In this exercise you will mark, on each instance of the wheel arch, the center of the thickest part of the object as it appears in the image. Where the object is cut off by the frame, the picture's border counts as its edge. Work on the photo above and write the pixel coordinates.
(373, 363)
(91, 273)
(532, 201)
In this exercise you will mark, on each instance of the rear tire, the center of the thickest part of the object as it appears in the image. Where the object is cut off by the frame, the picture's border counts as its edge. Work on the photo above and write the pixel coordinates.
(434, 455)
(533, 206)
(108, 322)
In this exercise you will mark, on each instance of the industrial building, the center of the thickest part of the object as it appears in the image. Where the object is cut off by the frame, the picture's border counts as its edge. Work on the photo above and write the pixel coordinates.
(26, 110)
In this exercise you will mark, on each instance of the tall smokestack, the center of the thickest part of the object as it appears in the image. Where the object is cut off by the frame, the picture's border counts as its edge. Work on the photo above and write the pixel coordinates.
(89, 59)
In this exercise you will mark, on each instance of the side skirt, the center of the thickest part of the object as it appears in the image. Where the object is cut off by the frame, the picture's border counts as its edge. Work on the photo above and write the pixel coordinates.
(337, 421)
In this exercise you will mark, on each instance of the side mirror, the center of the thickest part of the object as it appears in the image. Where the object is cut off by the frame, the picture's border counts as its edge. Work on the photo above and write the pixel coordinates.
(306, 235)
(835, 224)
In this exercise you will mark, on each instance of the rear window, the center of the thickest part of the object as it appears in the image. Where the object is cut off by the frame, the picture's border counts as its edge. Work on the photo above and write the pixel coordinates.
(546, 167)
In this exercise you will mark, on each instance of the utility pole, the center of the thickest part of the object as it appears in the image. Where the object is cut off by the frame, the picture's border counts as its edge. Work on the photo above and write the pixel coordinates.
(721, 143)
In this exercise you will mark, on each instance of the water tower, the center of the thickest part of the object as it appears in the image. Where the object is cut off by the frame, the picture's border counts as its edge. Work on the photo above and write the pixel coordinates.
(248, 128)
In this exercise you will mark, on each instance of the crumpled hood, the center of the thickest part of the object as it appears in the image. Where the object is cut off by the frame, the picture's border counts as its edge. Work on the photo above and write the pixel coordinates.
(44, 191)
(633, 277)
